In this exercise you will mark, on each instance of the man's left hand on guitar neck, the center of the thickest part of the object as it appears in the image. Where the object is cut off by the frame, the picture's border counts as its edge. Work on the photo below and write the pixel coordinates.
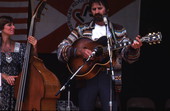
(137, 43)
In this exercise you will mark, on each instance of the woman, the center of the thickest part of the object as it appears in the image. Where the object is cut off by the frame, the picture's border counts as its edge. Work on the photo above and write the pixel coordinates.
(12, 55)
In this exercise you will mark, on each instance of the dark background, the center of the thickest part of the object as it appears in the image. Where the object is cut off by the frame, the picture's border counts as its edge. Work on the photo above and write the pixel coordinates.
(149, 76)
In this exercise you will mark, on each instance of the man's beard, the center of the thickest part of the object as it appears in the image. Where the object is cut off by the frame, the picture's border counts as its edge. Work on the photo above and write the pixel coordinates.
(98, 17)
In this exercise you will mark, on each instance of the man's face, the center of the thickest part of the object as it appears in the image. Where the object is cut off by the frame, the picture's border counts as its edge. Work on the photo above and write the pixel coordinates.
(98, 10)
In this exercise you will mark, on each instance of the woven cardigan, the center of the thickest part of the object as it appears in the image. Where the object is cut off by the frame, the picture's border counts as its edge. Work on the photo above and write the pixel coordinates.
(65, 49)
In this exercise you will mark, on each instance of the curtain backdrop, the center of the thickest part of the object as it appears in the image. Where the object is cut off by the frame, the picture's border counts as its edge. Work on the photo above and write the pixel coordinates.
(59, 17)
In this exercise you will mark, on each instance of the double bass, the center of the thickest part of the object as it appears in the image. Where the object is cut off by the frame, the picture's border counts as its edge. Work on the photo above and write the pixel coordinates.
(36, 86)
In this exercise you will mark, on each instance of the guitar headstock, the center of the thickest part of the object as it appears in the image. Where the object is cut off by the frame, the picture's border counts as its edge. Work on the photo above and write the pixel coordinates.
(152, 38)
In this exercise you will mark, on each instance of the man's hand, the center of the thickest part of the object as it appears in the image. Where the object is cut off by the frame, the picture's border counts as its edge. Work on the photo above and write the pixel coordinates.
(85, 53)
(137, 43)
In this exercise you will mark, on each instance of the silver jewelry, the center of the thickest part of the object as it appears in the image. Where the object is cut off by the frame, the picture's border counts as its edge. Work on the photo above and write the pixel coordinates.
(8, 57)
(8, 54)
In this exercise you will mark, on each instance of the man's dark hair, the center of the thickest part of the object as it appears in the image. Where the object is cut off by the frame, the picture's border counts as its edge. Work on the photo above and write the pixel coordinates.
(104, 2)
(4, 20)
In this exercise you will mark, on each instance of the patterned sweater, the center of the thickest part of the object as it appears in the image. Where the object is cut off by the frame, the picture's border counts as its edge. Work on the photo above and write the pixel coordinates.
(65, 49)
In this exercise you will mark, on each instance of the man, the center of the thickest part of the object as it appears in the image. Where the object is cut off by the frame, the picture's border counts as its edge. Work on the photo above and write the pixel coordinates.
(99, 86)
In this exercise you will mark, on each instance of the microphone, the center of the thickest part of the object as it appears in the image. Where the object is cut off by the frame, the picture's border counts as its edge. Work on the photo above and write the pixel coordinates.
(97, 51)
(105, 20)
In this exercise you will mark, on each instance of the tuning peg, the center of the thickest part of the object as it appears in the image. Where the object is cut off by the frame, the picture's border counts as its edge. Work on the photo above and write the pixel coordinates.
(150, 34)
(154, 42)
(150, 43)
(153, 33)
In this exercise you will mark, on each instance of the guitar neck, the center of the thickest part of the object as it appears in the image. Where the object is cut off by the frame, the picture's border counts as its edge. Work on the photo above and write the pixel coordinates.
(121, 45)
(150, 38)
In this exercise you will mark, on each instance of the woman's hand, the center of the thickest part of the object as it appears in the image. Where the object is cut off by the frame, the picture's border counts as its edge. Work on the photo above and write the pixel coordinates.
(32, 40)
(10, 79)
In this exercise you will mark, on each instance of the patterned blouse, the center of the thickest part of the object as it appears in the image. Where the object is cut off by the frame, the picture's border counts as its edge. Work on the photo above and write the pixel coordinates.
(65, 49)
(13, 68)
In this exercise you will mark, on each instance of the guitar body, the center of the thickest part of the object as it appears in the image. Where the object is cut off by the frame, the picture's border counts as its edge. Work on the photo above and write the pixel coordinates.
(92, 67)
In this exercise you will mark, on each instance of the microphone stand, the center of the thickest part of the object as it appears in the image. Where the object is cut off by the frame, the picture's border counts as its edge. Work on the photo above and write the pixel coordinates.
(64, 86)
(68, 99)
(111, 63)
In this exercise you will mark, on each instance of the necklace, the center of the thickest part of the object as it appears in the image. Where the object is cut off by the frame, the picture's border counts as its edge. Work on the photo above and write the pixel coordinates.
(8, 55)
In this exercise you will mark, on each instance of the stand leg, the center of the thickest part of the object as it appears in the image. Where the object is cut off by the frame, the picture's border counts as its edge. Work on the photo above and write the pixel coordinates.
(68, 99)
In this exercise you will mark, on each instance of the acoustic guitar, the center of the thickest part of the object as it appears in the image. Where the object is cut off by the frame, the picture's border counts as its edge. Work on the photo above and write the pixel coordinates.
(92, 67)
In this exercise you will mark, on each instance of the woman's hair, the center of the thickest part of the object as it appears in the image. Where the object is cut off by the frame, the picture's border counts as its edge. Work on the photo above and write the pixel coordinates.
(4, 20)
(103, 2)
